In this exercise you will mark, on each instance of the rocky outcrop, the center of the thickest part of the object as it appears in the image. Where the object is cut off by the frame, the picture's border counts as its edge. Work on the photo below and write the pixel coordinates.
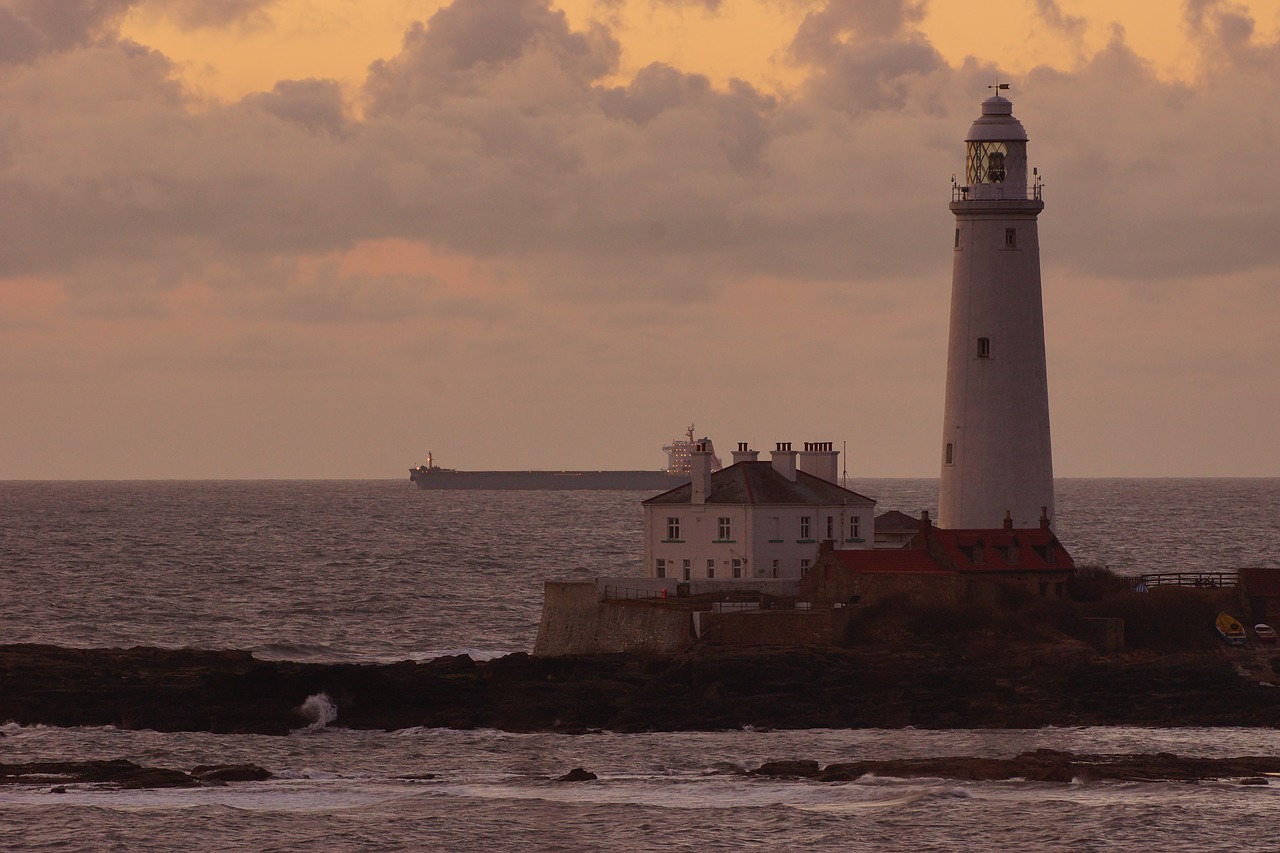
(1047, 765)
(801, 687)
(120, 773)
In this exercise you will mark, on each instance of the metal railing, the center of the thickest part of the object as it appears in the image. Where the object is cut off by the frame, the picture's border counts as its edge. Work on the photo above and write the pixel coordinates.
(1228, 579)
(1033, 193)
(624, 592)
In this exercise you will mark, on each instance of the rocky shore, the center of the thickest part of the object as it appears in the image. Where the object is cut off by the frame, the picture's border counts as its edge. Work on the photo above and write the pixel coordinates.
(803, 687)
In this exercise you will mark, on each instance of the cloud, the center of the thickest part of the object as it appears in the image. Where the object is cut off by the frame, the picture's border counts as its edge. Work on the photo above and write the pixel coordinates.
(468, 44)
(195, 14)
(31, 27)
(864, 55)
(315, 105)
(1073, 26)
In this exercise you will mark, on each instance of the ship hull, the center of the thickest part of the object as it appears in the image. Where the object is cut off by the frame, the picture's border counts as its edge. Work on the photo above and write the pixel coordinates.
(648, 481)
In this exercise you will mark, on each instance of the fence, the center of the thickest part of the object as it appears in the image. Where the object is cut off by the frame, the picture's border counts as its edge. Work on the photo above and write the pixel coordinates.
(1201, 580)
(623, 592)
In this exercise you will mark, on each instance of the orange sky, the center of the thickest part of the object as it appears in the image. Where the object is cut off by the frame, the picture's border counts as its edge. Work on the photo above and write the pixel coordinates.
(742, 38)
(519, 243)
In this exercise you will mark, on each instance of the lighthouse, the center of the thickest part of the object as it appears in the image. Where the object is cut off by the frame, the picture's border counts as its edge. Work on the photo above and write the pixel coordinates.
(997, 462)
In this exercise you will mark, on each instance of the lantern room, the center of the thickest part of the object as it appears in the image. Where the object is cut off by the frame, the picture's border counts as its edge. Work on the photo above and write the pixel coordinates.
(996, 155)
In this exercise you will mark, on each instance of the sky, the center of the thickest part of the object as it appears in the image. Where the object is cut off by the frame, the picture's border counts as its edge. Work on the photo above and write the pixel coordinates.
(318, 238)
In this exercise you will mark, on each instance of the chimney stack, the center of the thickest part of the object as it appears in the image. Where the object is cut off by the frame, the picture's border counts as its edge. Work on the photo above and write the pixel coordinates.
(744, 454)
(701, 472)
(784, 460)
(821, 460)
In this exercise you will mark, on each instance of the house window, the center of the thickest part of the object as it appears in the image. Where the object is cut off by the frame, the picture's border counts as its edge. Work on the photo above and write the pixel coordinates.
(984, 347)
(804, 568)
(1058, 589)
(949, 456)
(775, 568)
(1044, 589)
(854, 527)
(831, 527)
(673, 528)
(688, 569)
(726, 529)
(737, 568)
(660, 568)
(1011, 238)
(711, 568)
(804, 527)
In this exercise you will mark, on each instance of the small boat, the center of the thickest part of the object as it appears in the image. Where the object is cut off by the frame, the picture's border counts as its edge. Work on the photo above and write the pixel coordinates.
(1231, 629)
(1264, 632)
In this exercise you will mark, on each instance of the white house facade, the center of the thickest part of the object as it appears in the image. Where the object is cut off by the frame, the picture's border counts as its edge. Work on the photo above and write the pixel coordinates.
(754, 519)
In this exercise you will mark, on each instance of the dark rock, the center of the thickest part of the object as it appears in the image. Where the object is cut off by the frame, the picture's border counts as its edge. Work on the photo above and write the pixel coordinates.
(58, 790)
(798, 687)
(798, 769)
(230, 773)
(1047, 765)
(577, 774)
(120, 772)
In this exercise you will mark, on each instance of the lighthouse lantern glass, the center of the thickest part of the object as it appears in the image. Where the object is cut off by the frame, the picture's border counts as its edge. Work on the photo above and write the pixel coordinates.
(986, 163)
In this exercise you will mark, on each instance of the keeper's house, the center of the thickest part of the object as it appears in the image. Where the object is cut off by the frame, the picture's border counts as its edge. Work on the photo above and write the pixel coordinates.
(754, 520)
(945, 566)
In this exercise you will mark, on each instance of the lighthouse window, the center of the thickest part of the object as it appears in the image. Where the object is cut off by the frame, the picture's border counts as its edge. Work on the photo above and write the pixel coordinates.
(950, 454)
(984, 347)
(957, 238)
(1011, 238)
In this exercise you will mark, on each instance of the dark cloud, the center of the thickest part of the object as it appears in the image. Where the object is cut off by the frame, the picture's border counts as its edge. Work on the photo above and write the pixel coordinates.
(31, 27)
(470, 42)
(316, 105)
(864, 55)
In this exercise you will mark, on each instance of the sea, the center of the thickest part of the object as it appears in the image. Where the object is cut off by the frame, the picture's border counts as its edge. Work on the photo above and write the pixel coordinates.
(378, 571)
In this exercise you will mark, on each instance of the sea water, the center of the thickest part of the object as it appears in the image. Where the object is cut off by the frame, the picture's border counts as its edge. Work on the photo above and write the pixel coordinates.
(379, 571)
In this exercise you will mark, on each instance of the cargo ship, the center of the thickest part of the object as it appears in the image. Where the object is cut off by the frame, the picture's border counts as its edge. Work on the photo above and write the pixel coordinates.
(679, 462)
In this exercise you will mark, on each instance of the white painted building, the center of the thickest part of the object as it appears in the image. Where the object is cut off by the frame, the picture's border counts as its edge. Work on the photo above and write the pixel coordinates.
(754, 519)
(996, 456)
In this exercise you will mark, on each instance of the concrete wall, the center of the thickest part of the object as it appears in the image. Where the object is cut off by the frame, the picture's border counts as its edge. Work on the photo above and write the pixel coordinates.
(769, 627)
(576, 621)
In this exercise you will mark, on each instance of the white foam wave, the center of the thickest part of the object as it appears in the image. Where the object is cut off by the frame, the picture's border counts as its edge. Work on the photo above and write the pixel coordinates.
(320, 710)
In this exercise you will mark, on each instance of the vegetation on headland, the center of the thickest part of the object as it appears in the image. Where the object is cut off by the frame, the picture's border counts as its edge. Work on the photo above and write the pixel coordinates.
(1166, 619)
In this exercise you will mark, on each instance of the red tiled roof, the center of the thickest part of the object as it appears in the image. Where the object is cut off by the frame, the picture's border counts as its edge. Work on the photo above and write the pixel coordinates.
(1017, 549)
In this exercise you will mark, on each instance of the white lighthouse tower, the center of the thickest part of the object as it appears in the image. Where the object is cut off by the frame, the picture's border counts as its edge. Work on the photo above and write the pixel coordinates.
(996, 457)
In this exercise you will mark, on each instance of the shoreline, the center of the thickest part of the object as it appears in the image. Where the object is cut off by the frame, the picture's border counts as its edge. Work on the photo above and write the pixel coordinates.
(997, 686)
